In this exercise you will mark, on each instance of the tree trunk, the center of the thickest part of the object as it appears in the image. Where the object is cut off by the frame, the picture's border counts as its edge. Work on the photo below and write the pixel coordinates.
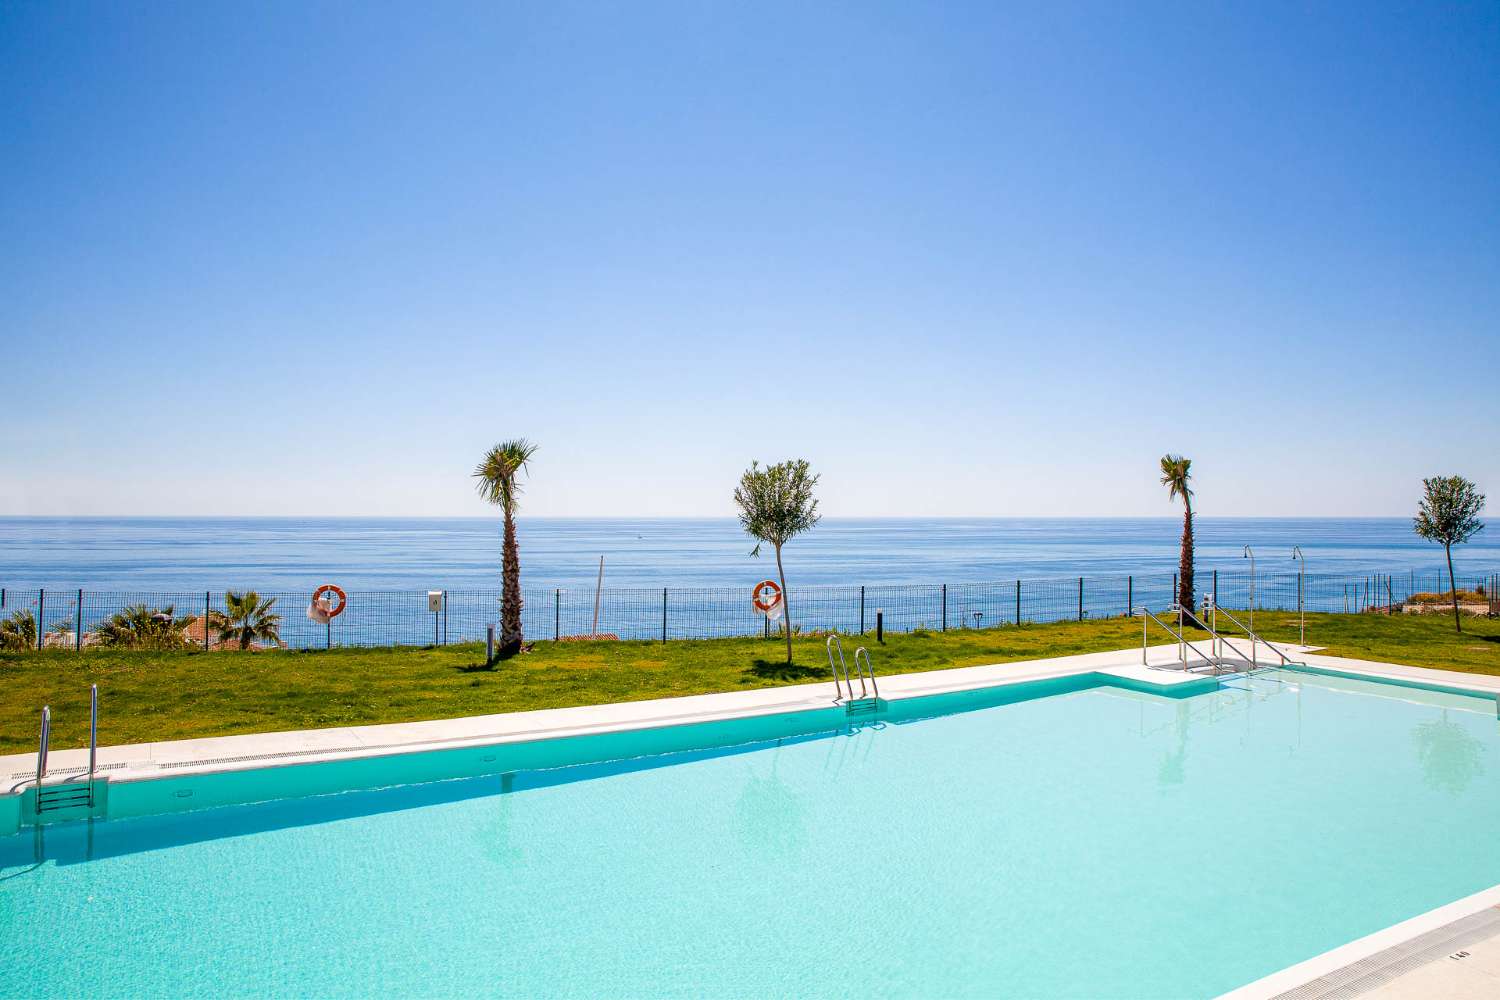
(510, 593)
(1453, 587)
(1185, 560)
(786, 606)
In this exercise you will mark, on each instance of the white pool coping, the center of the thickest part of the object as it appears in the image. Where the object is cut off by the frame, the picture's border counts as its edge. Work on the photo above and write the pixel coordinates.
(147, 761)
(209, 755)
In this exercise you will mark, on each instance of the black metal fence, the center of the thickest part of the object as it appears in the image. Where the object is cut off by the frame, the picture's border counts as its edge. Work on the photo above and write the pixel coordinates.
(69, 618)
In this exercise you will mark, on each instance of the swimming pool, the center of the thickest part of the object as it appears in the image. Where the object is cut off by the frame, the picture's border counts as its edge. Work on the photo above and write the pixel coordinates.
(1063, 838)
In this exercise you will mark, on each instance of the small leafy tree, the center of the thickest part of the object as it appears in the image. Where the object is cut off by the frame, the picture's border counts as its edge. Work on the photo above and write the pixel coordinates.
(1175, 473)
(247, 618)
(1449, 513)
(776, 504)
(18, 632)
(497, 484)
(140, 627)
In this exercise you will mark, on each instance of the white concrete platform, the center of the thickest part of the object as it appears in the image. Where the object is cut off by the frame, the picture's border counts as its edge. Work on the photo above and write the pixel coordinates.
(144, 761)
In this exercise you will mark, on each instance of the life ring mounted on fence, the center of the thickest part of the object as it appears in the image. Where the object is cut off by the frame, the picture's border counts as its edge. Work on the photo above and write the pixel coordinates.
(766, 597)
(323, 607)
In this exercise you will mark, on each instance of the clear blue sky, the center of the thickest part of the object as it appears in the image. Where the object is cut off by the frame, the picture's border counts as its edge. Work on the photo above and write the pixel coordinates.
(314, 258)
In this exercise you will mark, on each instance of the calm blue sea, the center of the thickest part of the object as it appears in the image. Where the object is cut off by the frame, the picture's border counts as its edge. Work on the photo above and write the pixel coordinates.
(463, 553)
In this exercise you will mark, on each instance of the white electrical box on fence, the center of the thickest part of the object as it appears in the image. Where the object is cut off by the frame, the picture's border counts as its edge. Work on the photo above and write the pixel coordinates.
(435, 601)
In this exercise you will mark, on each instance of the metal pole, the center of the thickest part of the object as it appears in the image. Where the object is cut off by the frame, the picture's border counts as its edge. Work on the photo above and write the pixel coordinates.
(598, 590)
(879, 625)
(93, 736)
(1018, 602)
(78, 625)
(489, 645)
(556, 614)
(1080, 598)
(41, 616)
(1251, 556)
(1301, 609)
(1129, 594)
(445, 618)
(41, 753)
(1216, 588)
(945, 607)
(861, 609)
(664, 614)
(206, 599)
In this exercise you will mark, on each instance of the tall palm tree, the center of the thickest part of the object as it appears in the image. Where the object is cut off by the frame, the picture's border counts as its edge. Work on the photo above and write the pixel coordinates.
(497, 484)
(1175, 475)
(247, 618)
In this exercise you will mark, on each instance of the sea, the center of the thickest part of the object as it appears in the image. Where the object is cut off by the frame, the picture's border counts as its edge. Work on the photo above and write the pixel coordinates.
(442, 553)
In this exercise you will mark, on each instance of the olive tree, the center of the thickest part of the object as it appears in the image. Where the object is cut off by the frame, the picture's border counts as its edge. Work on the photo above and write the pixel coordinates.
(1449, 513)
(776, 504)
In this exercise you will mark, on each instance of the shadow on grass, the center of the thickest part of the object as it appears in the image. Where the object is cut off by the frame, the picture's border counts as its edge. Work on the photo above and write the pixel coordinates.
(478, 668)
(781, 671)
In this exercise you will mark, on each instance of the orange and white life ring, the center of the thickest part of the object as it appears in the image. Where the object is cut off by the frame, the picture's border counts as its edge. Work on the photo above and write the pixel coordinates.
(323, 607)
(766, 596)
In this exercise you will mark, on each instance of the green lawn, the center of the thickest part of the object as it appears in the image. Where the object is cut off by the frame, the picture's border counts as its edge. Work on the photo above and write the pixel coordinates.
(149, 696)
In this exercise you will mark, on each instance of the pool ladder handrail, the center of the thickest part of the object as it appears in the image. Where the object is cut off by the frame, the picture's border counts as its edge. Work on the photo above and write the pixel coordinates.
(45, 740)
(1253, 637)
(862, 670)
(1183, 642)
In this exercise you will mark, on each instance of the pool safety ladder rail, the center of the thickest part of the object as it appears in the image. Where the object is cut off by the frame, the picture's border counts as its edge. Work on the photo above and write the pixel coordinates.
(68, 796)
(1214, 660)
(868, 702)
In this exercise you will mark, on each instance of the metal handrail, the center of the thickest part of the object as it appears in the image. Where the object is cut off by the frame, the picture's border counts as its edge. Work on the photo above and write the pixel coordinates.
(838, 692)
(1254, 639)
(93, 736)
(868, 670)
(1182, 640)
(41, 753)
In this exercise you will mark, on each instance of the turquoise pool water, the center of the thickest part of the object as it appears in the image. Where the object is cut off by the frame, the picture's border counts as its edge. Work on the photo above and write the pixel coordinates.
(1093, 841)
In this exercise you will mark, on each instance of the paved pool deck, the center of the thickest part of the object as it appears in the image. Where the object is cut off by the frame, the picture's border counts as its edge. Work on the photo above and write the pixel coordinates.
(1409, 960)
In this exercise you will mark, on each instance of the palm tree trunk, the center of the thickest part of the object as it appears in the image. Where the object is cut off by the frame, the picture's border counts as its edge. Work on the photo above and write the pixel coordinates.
(786, 606)
(1453, 587)
(1185, 559)
(510, 593)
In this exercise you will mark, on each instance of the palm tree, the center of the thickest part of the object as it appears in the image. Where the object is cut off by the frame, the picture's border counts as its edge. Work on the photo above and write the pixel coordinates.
(18, 632)
(776, 504)
(1175, 475)
(247, 618)
(497, 484)
(1449, 513)
(140, 627)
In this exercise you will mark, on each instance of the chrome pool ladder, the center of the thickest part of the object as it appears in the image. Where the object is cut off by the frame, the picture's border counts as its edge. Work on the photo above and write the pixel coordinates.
(67, 794)
(843, 681)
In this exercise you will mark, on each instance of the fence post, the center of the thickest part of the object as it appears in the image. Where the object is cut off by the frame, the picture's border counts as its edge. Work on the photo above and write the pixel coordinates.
(945, 607)
(861, 609)
(1216, 588)
(556, 613)
(445, 618)
(664, 614)
(1129, 596)
(78, 625)
(1080, 598)
(489, 645)
(206, 599)
(41, 616)
(1175, 595)
(1018, 602)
